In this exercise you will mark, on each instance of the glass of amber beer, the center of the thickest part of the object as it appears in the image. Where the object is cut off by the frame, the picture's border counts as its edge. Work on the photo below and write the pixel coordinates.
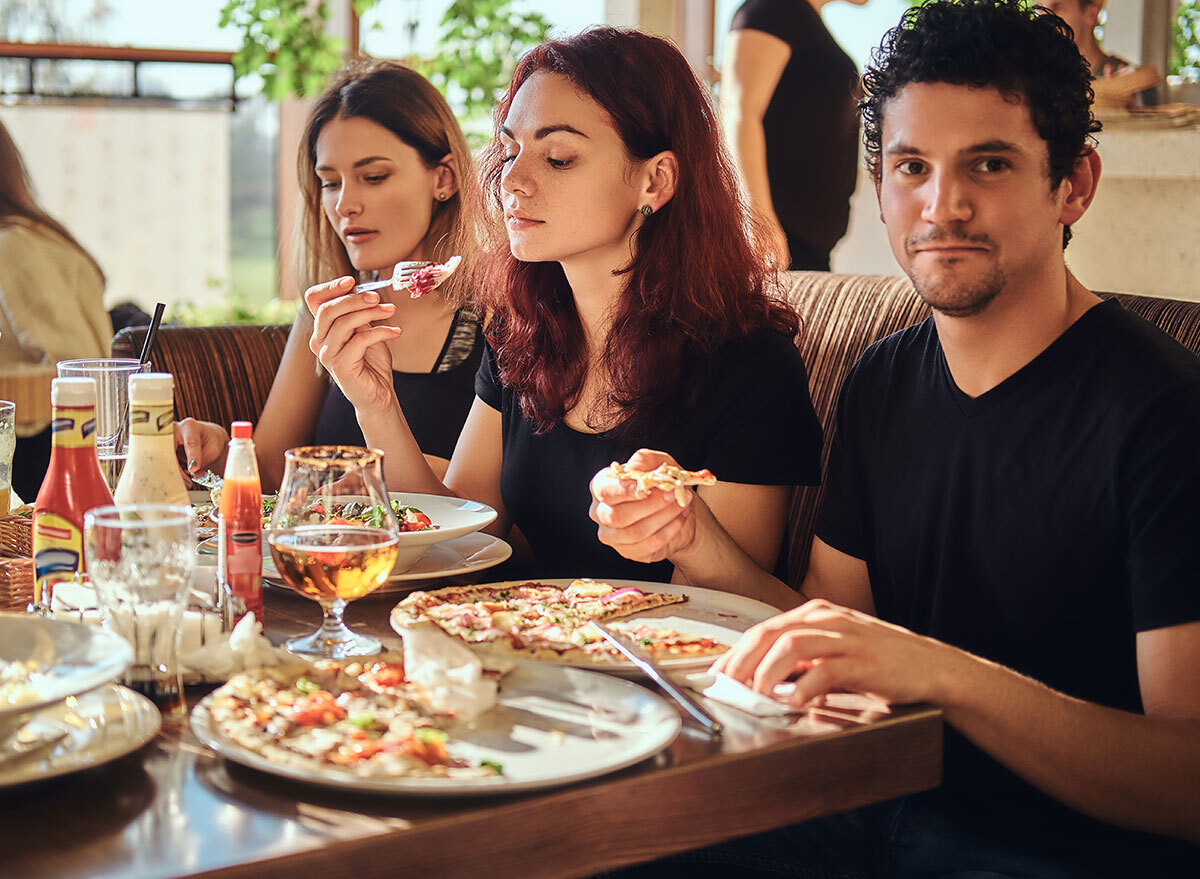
(333, 537)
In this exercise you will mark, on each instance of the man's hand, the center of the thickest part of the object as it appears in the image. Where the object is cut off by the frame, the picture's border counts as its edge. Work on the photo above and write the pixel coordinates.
(837, 649)
(642, 526)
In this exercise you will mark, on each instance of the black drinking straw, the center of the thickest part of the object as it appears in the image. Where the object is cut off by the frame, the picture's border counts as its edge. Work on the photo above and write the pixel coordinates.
(152, 332)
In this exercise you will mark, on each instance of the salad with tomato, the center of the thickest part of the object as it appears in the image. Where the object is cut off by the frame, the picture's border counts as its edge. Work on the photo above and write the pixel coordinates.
(354, 513)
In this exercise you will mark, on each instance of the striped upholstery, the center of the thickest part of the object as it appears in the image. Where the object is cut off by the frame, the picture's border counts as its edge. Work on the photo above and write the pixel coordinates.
(843, 314)
(222, 374)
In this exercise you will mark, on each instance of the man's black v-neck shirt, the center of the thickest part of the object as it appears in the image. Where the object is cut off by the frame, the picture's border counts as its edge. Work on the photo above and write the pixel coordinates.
(1042, 524)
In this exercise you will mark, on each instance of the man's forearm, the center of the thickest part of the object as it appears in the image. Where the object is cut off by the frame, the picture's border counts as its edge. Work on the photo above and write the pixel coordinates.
(1127, 769)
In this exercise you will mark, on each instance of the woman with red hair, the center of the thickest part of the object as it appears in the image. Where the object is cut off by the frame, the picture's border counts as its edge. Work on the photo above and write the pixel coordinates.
(629, 311)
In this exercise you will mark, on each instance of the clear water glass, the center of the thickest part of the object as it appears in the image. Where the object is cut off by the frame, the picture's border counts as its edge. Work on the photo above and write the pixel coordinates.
(141, 559)
(8, 445)
(112, 408)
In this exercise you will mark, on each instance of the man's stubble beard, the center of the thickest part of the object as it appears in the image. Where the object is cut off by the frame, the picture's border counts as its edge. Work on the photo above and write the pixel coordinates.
(963, 299)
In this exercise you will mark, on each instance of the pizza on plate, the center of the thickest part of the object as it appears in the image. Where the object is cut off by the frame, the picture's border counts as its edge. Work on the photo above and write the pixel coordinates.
(359, 716)
(666, 477)
(541, 621)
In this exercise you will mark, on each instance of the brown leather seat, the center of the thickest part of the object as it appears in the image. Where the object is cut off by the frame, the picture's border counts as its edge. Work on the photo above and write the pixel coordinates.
(222, 374)
(844, 314)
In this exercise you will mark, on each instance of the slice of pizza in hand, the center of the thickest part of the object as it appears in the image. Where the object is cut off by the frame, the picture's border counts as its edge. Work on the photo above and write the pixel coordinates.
(667, 477)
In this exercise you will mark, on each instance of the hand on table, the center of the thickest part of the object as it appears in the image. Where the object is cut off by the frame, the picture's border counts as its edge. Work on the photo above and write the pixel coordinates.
(643, 526)
(203, 444)
(347, 344)
(836, 649)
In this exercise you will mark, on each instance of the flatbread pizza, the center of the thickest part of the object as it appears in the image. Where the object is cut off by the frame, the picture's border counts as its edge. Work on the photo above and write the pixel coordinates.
(542, 621)
(363, 717)
(665, 477)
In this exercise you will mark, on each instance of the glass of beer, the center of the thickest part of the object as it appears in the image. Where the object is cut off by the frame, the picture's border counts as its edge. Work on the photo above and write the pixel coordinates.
(333, 537)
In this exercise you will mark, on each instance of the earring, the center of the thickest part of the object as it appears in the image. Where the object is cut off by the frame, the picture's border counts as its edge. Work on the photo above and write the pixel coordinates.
(646, 210)
(441, 196)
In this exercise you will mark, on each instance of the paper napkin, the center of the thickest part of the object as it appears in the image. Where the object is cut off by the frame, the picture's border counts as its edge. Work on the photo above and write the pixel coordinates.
(450, 673)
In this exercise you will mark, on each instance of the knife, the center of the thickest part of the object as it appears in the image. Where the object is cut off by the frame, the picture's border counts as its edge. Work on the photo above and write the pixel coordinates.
(642, 660)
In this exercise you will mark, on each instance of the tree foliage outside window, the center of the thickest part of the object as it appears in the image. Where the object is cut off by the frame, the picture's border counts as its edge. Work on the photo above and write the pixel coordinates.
(284, 41)
(1185, 40)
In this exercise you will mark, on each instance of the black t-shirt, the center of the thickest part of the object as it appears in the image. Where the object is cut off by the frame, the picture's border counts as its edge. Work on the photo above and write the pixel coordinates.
(435, 403)
(1042, 524)
(755, 424)
(811, 127)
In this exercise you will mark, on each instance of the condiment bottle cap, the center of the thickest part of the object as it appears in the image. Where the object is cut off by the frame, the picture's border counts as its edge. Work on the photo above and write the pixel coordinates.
(151, 387)
(74, 391)
(241, 430)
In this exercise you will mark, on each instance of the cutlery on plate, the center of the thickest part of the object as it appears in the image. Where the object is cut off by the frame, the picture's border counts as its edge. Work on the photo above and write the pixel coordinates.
(642, 660)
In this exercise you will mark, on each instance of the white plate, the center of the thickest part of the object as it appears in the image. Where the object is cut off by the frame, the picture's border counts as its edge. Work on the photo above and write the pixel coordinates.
(462, 555)
(471, 552)
(74, 658)
(552, 726)
(100, 726)
(707, 612)
(454, 517)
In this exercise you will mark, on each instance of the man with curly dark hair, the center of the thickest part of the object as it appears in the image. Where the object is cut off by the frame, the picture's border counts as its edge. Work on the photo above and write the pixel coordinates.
(1010, 529)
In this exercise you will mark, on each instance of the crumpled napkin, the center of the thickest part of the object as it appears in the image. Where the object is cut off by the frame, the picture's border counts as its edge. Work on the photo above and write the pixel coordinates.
(849, 707)
(246, 647)
(724, 689)
(451, 674)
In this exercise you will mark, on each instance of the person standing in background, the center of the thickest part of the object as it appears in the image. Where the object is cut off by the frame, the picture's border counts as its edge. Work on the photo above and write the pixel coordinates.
(788, 94)
(51, 302)
(1082, 16)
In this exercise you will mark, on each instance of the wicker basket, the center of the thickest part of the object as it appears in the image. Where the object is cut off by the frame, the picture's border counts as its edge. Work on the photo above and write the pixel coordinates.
(16, 566)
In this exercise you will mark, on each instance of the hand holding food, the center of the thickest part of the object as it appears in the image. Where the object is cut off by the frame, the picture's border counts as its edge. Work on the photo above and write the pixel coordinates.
(639, 522)
(349, 345)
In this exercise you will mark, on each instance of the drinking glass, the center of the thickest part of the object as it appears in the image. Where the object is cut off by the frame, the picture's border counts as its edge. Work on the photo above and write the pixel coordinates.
(112, 408)
(8, 445)
(140, 558)
(322, 555)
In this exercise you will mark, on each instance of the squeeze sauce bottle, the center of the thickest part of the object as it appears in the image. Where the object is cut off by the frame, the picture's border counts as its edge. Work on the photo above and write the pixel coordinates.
(151, 475)
(239, 530)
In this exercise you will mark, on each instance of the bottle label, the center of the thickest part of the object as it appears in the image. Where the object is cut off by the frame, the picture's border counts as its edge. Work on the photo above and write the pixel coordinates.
(152, 419)
(239, 560)
(57, 555)
(73, 426)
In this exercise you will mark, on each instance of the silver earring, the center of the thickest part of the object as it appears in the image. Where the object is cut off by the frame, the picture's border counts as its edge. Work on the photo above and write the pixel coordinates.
(646, 210)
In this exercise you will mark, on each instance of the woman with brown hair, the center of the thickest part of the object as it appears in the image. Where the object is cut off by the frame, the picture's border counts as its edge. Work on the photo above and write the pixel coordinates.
(51, 302)
(385, 177)
(629, 310)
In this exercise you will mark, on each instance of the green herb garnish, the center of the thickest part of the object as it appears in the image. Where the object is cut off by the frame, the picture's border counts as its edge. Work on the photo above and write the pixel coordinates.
(492, 765)
(305, 685)
(429, 734)
(362, 721)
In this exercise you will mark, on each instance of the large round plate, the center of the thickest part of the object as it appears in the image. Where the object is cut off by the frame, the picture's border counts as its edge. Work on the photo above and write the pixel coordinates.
(552, 726)
(453, 558)
(455, 517)
(99, 726)
(74, 659)
(707, 612)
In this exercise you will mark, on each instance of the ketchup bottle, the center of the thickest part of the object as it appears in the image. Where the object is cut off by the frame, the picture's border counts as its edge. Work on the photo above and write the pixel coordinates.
(239, 530)
(73, 485)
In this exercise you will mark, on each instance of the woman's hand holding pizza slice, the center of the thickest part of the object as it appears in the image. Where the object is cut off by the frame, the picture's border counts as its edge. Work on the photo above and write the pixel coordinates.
(643, 507)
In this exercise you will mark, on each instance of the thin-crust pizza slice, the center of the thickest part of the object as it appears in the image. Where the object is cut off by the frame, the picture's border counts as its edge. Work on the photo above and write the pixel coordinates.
(539, 621)
(666, 477)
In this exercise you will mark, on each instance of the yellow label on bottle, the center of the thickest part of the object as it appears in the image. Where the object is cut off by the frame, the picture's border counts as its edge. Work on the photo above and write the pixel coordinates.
(151, 419)
(57, 554)
(73, 426)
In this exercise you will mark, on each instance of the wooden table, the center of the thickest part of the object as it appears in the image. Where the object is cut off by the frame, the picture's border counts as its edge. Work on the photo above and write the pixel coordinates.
(176, 809)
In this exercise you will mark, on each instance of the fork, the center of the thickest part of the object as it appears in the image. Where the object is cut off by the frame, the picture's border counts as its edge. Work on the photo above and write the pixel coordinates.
(401, 277)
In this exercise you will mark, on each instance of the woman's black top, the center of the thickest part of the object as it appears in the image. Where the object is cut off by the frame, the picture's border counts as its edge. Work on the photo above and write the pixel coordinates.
(435, 403)
(754, 423)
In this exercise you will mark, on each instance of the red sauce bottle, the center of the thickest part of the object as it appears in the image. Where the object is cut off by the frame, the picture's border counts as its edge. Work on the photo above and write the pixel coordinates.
(239, 529)
(72, 486)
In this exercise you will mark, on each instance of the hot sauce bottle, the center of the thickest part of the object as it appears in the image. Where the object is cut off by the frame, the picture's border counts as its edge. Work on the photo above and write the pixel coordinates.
(72, 486)
(239, 529)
